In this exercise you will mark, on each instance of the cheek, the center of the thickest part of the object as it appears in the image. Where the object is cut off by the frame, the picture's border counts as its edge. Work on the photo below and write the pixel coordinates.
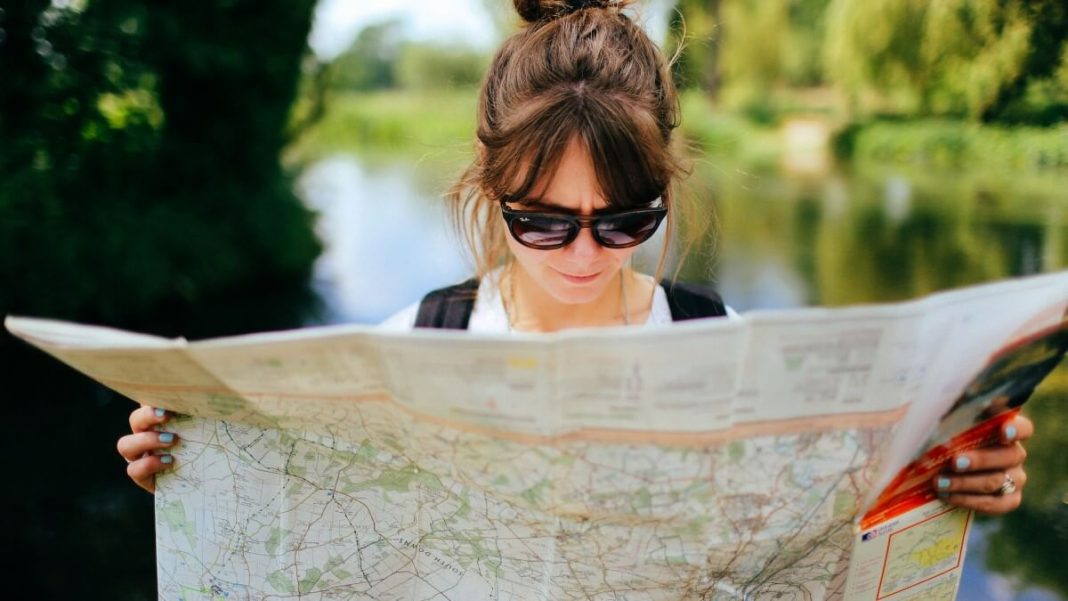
(620, 255)
(526, 256)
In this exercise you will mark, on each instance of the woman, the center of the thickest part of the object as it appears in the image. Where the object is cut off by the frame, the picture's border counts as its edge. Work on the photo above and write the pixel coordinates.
(575, 168)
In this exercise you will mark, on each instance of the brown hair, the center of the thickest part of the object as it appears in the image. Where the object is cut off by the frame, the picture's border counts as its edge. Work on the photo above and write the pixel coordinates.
(576, 70)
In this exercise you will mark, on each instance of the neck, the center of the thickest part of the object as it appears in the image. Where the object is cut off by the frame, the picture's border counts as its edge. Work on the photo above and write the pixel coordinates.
(531, 309)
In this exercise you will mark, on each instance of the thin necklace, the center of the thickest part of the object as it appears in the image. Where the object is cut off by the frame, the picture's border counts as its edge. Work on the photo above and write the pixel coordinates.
(511, 307)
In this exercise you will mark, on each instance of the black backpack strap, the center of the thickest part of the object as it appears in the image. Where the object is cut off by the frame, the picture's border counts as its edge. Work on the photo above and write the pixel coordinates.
(448, 308)
(691, 301)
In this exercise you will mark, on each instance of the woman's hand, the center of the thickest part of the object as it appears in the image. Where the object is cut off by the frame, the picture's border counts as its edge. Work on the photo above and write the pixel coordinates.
(141, 449)
(989, 480)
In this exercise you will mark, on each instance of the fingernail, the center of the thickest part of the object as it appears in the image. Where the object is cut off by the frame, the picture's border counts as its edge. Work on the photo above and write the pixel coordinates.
(160, 412)
(166, 437)
(963, 463)
(1010, 433)
(943, 483)
(166, 459)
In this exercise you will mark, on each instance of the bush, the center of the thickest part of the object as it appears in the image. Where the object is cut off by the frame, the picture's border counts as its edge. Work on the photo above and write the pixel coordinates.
(143, 168)
(951, 144)
(428, 67)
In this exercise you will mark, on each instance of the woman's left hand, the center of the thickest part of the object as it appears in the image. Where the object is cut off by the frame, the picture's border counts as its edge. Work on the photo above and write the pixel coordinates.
(989, 480)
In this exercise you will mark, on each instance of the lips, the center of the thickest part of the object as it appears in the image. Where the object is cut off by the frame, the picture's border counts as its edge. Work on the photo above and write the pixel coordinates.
(579, 279)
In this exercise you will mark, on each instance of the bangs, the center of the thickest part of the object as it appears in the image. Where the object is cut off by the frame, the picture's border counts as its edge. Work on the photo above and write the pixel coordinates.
(588, 74)
(630, 171)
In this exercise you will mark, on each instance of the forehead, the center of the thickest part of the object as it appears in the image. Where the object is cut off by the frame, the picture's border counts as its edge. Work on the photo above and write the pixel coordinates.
(572, 186)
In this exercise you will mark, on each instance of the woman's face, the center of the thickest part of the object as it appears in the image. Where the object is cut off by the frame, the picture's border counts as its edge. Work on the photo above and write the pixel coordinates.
(582, 271)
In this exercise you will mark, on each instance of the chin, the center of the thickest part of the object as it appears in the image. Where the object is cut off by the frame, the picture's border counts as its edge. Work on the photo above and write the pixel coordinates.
(577, 294)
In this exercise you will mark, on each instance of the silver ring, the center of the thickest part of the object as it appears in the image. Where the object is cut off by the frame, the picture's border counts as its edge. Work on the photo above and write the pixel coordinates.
(1007, 487)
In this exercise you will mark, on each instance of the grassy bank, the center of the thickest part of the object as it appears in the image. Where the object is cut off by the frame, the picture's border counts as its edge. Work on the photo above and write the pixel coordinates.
(391, 121)
(956, 145)
(726, 135)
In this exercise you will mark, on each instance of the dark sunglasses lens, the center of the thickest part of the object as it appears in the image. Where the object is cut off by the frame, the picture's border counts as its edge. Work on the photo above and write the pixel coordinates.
(542, 232)
(627, 230)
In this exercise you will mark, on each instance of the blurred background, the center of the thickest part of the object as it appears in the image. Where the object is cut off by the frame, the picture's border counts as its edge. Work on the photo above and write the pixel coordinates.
(246, 165)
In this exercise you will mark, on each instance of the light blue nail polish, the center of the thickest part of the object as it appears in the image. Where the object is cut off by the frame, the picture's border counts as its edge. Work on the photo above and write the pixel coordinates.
(963, 463)
(166, 437)
(166, 459)
(160, 412)
(1010, 433)
(943, 483)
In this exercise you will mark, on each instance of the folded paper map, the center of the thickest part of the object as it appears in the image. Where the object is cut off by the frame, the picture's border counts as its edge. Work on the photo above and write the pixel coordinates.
(717, 459)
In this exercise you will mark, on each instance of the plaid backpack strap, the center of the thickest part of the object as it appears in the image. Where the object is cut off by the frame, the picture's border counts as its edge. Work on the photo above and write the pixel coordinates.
(448, 308)
(691, 301)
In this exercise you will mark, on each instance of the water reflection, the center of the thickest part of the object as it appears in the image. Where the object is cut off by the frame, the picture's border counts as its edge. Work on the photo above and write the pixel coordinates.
(870, 237)
(387, 239)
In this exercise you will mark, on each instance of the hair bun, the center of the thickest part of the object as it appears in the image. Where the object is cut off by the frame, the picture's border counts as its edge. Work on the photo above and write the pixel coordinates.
(533, 11)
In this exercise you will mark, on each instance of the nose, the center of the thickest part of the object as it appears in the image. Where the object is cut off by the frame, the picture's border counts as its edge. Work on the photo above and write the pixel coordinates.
(584, 246)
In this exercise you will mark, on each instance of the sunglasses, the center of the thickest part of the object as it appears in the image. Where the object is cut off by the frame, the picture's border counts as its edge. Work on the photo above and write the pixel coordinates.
(546, 231)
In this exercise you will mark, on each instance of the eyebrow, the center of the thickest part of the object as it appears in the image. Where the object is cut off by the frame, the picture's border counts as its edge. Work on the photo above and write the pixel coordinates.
(542, 203)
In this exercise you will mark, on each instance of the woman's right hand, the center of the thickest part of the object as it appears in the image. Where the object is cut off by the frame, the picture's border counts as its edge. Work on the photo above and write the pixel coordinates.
(141, 449)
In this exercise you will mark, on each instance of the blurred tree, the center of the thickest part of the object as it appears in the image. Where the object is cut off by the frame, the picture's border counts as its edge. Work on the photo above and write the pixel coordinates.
(1040, 96)
(380, 58)
(140, 158)
(695, 42)
(435, 66)
(968, 58)
(874, 46)
(746, 48)
(370, 62)
(139, 174)
(752, 51)
(803, 49)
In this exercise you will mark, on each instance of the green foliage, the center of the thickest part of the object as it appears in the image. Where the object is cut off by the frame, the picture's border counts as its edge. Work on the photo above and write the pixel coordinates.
(950, 144)
(441, 121)
(873, 44)
(803, 49)
(752, 52)
(695, 44)
(1044, 101)
(727, 135)
(958, 58)
(370, 62)
(985, 60)
(380, 59)
(746, 48)
(142, 167)
(437, 67)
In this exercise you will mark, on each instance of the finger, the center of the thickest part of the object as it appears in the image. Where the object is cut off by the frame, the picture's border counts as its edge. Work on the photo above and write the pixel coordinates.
(986, 504)
(143, 471)
(1017, 429)
(999, 457)
(147, 418)
(134, 446)
(979, 483)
